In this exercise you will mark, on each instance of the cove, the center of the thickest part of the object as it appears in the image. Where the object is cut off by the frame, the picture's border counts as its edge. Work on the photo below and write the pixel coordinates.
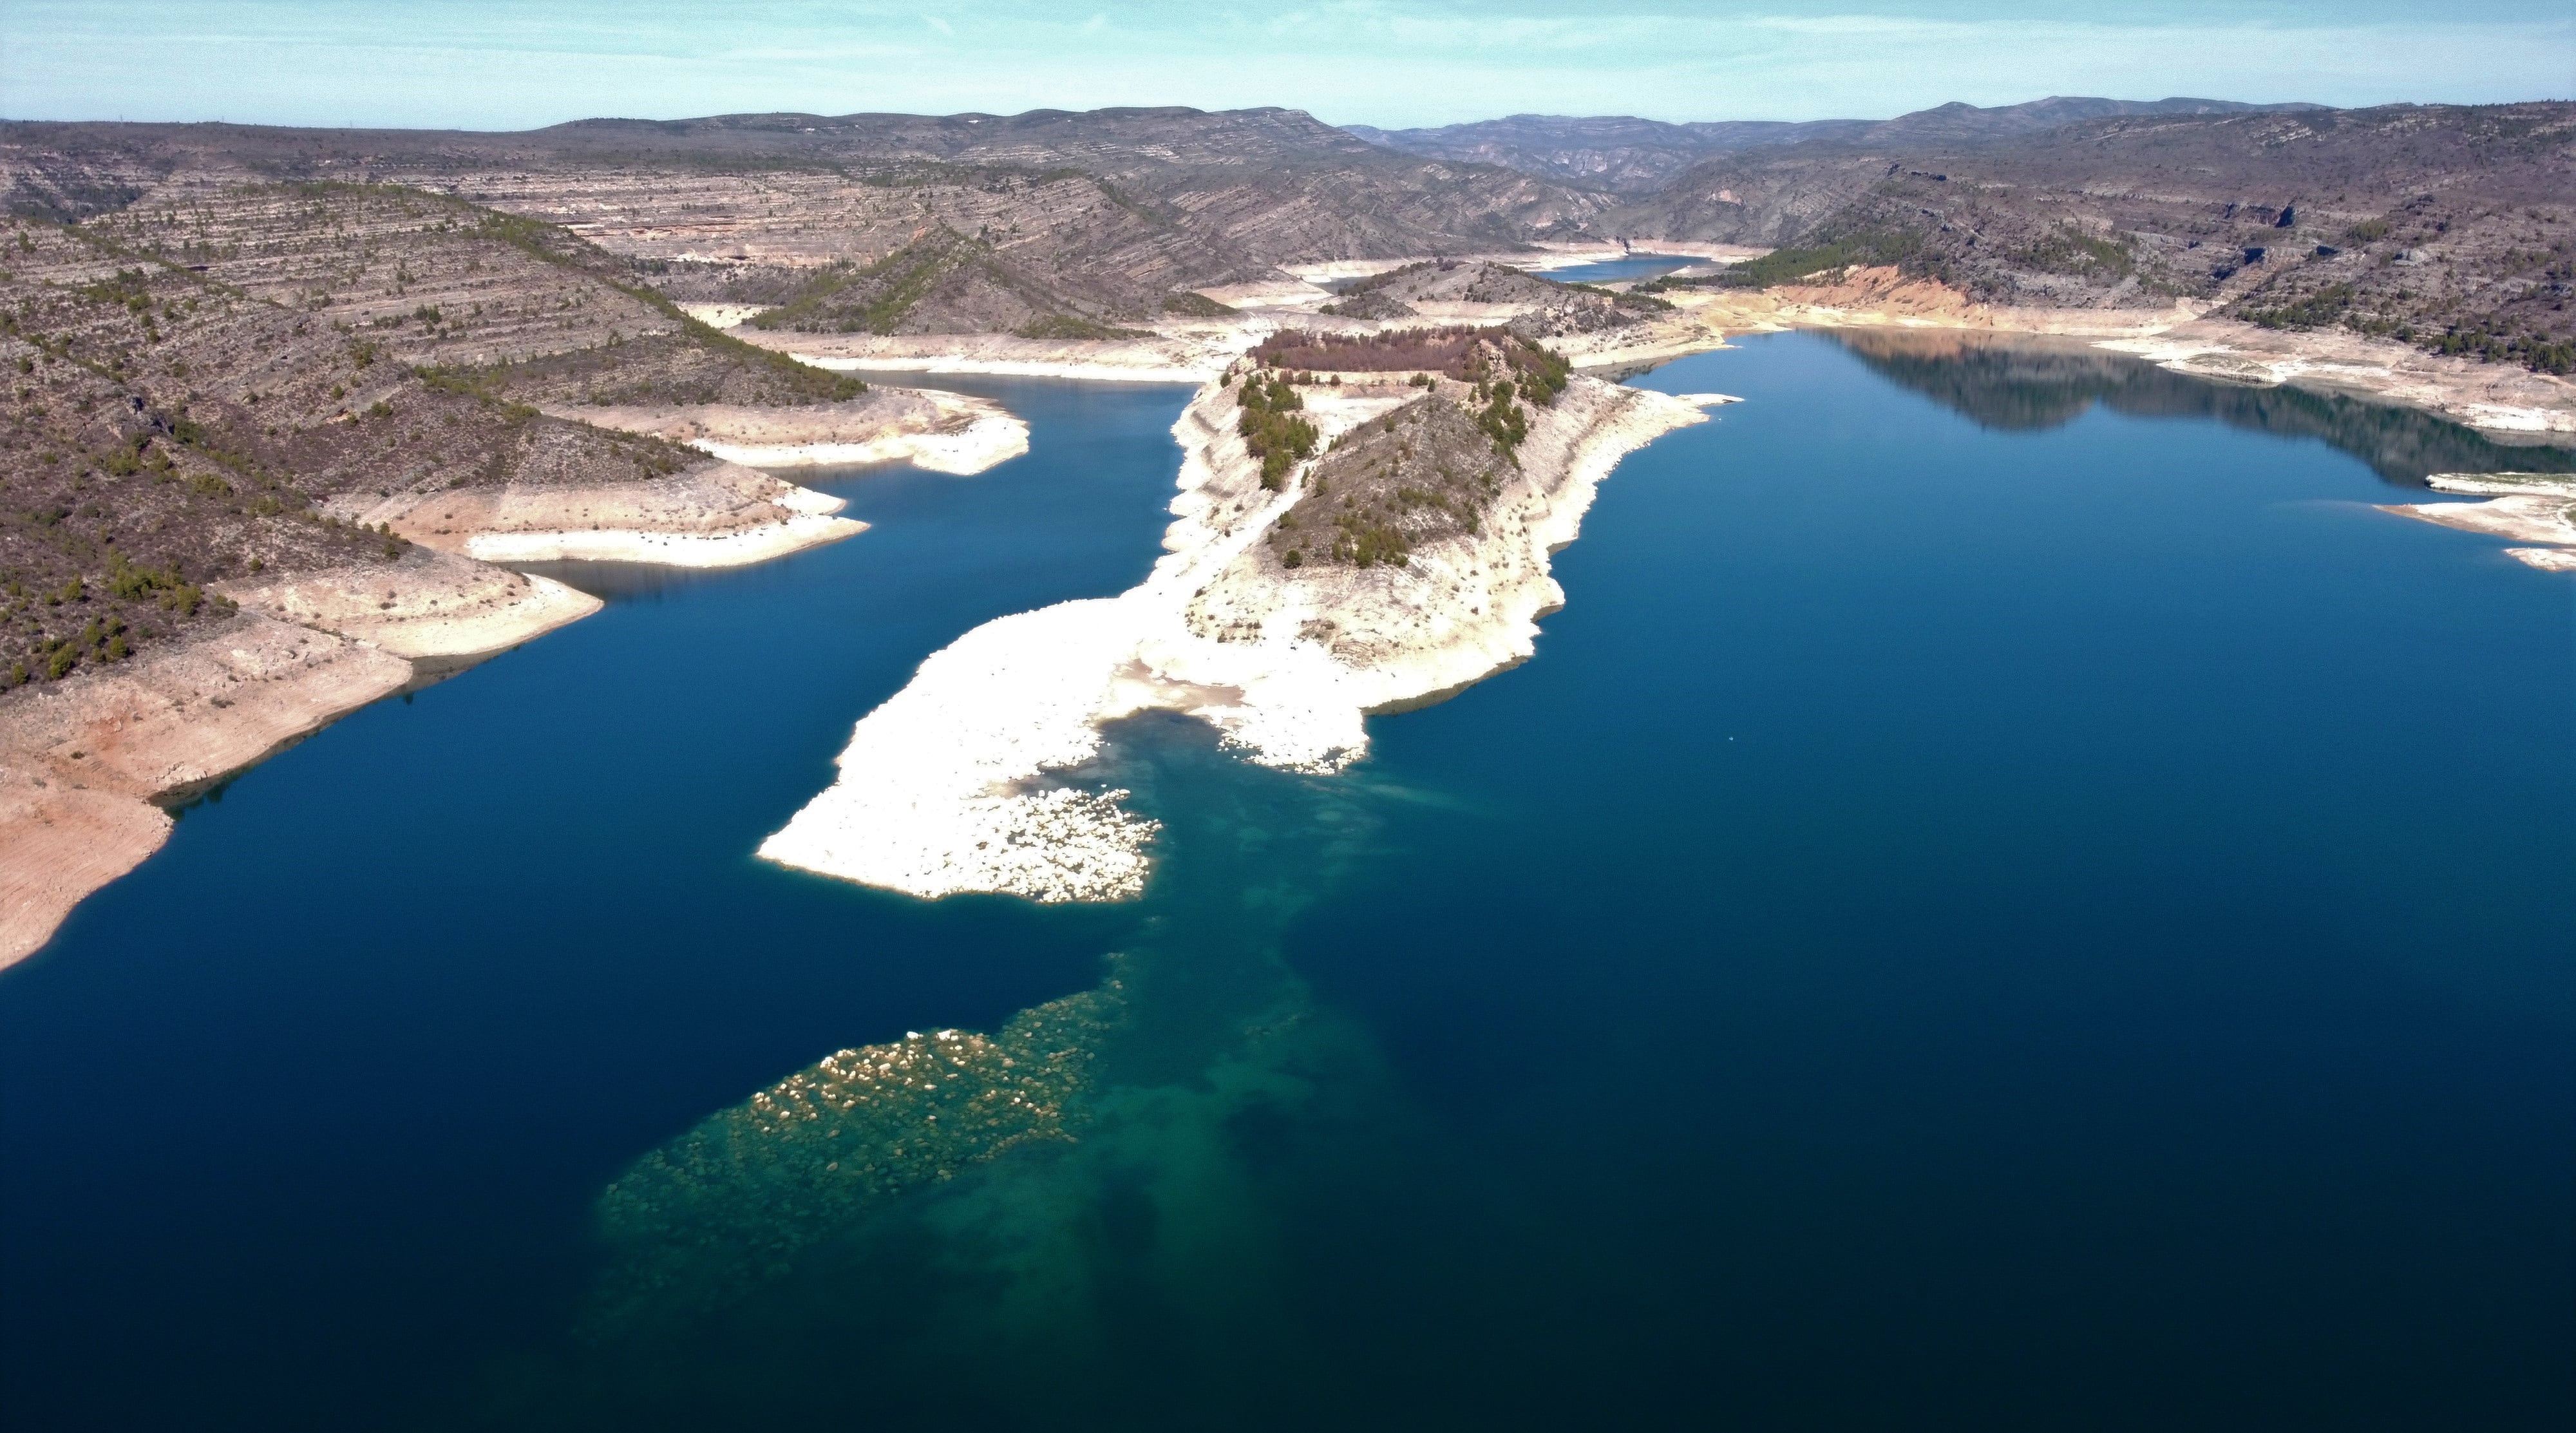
(2010, 895)
(1611, 271)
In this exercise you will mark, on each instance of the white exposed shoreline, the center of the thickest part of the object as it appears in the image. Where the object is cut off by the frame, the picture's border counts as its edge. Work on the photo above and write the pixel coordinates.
(1101, 372)
(1190, 353)
(2523, 507)
(970, 778)
(670, 549)
(955, 433)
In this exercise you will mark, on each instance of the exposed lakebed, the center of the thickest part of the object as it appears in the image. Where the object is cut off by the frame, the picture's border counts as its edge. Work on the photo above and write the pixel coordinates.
(1982, 900)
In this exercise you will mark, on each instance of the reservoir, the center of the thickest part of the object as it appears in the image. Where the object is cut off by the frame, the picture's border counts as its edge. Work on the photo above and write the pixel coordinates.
(2010, 896)
(1631, 266)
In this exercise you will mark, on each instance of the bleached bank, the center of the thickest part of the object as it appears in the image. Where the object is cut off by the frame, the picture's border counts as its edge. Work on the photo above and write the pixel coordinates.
(1184, 354)
(82, 761)
(721, 514)
(956, 433)
(669, 549)
(431, 604)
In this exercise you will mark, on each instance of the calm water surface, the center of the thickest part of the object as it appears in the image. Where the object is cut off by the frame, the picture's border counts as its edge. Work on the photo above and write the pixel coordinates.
(1635, 266)
(2009, 897)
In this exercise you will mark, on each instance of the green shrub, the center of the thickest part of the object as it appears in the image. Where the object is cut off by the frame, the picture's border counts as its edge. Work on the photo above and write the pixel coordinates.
(1066, 326)
(1869, 247)
(2314, 310)
(1272, 430)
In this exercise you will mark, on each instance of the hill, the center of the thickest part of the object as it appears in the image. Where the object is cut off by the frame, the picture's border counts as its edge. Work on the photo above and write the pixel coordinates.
(2449, 227)
(1112, 211)
(225, 383)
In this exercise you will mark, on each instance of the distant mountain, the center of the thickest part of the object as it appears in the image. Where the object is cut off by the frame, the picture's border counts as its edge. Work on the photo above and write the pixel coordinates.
(2446, 225)
(1118, 207)
(1625, 155)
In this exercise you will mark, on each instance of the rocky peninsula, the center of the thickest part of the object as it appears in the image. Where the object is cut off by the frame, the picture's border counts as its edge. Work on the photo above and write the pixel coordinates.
(972, 778)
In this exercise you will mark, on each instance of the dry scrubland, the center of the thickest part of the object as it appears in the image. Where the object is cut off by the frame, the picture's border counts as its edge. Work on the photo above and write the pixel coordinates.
(215, 384)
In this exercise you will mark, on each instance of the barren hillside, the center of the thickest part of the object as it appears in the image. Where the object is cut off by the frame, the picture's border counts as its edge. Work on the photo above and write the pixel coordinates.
(199, 382)
(1114, 210)
(2450, 227)
(2444, 226)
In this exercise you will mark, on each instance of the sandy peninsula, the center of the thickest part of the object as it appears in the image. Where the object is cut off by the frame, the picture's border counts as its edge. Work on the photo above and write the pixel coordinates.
(430, 605)
(970, 778)
(719, 514)
(942, 432)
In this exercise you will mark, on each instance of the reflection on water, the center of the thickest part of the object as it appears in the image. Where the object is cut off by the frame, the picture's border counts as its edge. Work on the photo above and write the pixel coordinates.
(2015, 382)
(631, 581)
(997, 1227)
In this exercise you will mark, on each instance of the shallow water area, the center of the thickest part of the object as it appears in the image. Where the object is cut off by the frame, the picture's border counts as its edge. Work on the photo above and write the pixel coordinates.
(2009, 896)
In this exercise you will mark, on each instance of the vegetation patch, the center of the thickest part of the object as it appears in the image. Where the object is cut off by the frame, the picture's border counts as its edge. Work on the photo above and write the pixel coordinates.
(1417, 350)
(1828, 257)
(1425, 472)
(1191, 304)
(1466, 353)
(2536, 351)
(2068, 250)
(1274, 428)
(1066, 326)
(1370, 304)
(2325, 306)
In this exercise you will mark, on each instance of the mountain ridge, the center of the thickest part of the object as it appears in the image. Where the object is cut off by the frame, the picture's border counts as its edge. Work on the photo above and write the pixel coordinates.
(1624, 154)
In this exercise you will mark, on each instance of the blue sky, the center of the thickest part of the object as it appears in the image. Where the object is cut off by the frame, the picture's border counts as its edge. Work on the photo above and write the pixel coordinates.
(495, 64)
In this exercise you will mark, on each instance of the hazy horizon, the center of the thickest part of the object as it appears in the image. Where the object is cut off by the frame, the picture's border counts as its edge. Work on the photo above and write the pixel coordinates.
(1391, 64)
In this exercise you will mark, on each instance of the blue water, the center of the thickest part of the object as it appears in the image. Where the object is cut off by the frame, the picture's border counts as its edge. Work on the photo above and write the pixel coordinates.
(2009, 897)
(1635, 266)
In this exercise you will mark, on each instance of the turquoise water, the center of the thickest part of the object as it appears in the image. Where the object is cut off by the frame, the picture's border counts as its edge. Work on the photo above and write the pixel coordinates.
(2008, 897)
